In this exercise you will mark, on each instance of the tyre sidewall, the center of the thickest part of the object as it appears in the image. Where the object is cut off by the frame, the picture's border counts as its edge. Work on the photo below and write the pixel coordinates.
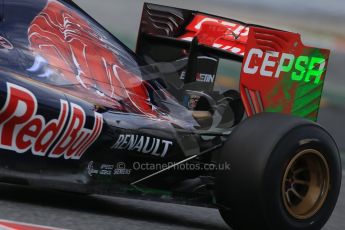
(259, 150)
(297, 140)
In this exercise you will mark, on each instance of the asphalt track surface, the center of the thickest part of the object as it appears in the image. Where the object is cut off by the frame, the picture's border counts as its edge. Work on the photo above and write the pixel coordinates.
(70, 211)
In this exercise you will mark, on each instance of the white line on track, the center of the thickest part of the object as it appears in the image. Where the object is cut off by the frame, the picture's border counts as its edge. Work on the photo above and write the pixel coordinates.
(21, 225)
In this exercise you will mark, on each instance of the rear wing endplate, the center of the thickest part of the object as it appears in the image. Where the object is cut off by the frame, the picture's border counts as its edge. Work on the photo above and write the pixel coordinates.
(280, 74)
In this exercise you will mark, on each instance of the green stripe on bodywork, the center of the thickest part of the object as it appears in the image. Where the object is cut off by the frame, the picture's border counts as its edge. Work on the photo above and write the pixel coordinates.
(148, 191)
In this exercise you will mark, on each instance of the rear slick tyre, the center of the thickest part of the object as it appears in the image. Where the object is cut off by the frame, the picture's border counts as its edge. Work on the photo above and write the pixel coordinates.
(285, 174)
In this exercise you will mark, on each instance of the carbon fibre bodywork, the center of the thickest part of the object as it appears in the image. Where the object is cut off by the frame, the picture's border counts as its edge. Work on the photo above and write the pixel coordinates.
(81, 112)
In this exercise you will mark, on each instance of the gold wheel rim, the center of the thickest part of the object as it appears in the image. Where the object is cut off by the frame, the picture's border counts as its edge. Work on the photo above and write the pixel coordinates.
(305, 184)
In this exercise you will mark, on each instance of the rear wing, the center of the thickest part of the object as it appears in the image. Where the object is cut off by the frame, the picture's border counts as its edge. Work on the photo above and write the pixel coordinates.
(279, 73)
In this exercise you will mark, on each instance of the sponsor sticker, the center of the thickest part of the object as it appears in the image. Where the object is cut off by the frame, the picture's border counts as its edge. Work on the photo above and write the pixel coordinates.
(302, 68)
(218, 33)
(143, 144)
(22, 128)
(201, 77)
(107, 169)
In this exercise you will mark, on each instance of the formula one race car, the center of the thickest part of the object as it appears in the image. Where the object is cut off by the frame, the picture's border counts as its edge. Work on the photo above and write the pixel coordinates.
(82, 113)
